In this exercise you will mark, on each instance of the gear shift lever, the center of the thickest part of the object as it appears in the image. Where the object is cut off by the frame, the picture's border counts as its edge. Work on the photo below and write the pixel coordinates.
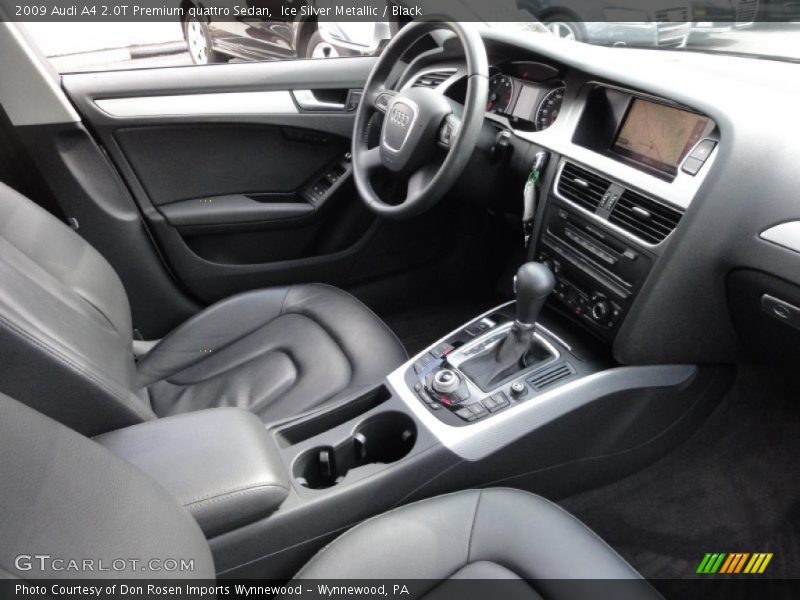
(534, 283)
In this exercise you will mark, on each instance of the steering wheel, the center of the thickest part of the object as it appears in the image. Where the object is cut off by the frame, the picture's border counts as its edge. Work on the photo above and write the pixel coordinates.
(425, 138)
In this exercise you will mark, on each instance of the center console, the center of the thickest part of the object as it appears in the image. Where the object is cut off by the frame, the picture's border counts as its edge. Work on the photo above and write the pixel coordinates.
(499, 360)
(469, 402)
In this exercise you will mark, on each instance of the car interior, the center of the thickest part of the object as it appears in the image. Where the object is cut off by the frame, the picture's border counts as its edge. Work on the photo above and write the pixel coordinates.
(483, 306)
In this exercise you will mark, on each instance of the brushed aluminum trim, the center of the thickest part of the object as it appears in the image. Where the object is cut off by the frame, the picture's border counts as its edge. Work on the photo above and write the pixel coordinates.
(234, 103)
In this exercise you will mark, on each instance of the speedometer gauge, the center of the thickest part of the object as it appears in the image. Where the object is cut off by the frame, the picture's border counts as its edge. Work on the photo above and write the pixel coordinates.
(549, 108)
(501, 92)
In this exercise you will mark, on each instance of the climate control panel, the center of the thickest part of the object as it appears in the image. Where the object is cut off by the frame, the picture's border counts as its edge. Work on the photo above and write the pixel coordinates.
(597, 273)
(593, 306)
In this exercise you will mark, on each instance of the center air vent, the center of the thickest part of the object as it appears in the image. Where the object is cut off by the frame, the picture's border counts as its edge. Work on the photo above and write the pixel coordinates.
(644, 218)
(583, 187)
(433, 79)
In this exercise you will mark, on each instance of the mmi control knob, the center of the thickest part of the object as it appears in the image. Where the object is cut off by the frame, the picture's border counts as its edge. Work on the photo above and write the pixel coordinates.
(446, 381)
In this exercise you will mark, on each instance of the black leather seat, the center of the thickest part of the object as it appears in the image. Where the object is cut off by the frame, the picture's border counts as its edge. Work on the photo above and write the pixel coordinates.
(497, 533)
(66, 339)
(65, 496)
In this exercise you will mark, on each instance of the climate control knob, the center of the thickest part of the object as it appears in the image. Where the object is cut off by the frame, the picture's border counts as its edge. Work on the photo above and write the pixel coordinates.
(600, 311)
(553, 265)
(550, 263)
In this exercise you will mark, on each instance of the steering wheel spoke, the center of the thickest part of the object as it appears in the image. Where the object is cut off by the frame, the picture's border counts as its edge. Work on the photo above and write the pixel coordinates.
(448, 131)
(381, 98)
(371, 159)
(420, 179)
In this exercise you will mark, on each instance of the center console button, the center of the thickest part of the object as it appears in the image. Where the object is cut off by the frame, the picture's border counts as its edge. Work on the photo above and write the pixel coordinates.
(478, 409)
(483, 325)
(462, 393)
(518, 388)
(465, 414)
(496, 402)
(423, 363)
(472, 412)
(501, 399)
(426, 398)
(441, 350)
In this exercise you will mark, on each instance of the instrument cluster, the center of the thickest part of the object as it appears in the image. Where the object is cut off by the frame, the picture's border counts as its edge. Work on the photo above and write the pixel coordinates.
(527, 93)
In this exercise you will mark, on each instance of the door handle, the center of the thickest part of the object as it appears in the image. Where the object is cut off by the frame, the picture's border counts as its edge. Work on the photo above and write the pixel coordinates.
(306, 100)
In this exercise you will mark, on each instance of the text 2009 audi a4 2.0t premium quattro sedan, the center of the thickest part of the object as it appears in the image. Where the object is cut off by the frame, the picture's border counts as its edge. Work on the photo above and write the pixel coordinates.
(490, 313)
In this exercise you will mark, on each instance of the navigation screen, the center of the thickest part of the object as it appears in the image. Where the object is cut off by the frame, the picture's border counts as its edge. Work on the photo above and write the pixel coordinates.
(658, 136)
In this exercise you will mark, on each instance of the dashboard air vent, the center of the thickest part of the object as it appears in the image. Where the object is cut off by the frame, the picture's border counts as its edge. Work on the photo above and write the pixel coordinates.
(583, 187)
(644, 218)
(433, 79)
(550, 376)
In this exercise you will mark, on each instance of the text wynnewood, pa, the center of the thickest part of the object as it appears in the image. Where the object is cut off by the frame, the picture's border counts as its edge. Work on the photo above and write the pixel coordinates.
(177, 589)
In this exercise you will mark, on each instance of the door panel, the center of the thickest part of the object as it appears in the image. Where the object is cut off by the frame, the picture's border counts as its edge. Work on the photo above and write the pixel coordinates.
(181, 162)
(239, 191)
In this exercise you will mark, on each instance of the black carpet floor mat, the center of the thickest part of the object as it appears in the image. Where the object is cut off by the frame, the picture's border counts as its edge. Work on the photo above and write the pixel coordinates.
(733, 487)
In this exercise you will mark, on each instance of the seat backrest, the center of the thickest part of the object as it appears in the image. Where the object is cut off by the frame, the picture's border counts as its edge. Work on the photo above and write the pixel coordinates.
(65, 324)
(67, 500)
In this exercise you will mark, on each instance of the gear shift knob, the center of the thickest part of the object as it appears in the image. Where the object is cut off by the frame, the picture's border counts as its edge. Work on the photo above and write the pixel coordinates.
(533, 284)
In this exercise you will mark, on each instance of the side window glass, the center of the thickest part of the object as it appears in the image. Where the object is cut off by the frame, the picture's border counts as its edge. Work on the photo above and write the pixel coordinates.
(195, 40)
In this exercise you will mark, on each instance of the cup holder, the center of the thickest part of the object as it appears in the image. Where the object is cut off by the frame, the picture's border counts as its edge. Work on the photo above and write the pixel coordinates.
(383, 438)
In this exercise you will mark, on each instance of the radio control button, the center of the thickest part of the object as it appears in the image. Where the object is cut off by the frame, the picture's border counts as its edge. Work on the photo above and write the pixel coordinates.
(692, 165)
(703, 150)
(630, 254)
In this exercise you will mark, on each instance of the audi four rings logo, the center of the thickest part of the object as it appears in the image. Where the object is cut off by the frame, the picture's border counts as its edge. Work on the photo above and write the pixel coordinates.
(399, 117)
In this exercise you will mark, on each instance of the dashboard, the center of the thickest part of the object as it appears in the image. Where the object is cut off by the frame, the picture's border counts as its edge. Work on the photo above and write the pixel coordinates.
(595, 121)
(634, 139)
(664, 203)
(624, 166)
